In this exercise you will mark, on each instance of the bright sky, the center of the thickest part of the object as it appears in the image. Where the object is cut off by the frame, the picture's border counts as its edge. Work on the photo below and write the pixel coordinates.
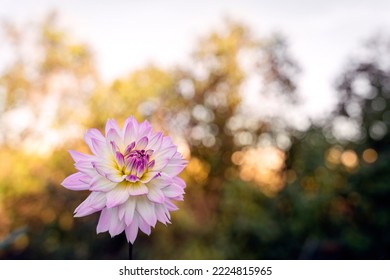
(127, 34)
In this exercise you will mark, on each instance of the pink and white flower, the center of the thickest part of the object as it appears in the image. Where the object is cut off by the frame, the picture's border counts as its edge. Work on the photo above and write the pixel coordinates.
(132, 175)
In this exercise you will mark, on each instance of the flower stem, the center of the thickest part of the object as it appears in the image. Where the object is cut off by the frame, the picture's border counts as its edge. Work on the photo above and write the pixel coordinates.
(130, 251)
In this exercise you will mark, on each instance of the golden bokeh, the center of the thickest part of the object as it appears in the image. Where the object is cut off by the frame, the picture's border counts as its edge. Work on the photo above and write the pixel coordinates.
(264, 166)
(370, 155)
(349, 159)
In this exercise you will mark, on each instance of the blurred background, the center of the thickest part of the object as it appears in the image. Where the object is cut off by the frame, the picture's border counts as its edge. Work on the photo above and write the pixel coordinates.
(282, 109)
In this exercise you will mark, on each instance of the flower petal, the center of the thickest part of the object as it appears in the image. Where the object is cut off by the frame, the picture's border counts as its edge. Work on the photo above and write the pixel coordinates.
(93, 203)
(108, 171)
(101, 184)
(76, 182)
(130, 130)
(104, 221)
(116, 226)
(111, 124)
(137, 188)
(160, 182)
(100, 148)
(146, 210)
(149, 176)
(126, 210)
(156, 195)
(85, 167)
(170, 206)
(77, 156)
(132, 231)
(173, 191)
(162, 213)
(155, 141)
(159, 164)
(142, 143)
(144, 129)
(113, 136)
(144, 226)
(165, 153)
(175, 165)
(117, 196)
(93, 133)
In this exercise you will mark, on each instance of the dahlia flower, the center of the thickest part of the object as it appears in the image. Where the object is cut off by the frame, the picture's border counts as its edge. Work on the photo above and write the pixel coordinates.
(132, 175)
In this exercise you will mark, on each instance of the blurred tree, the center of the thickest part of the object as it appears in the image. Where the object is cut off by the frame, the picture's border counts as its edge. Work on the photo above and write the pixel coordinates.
(48, 70)
(258, 185)
(45, 90)
(204, 111)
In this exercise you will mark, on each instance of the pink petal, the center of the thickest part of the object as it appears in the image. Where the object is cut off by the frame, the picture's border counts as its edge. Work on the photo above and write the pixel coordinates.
(155, 141)
(142, 143)
(159, 164)
(104, 221)
(116, 226)
(166, 153)
(137, 188)
(162, 213)
(146, 210)
(179, 181)
(161, 181)
(178, 186)
(85, 167)
(156, 195)
(144, 129)
(144, 226)
(130, 130)
(132, 231)
(100, 148)
(170, 206)
(117, 196)
(93, 133)
(113, 136)
(149, 176)
(108, 171)
(175, 165)
(111, 124)
(166, 142)
(173, 191)
(76, 182)
(126, 210)
(120, 160)
(77, 156)
(93, 203)
(101, 184)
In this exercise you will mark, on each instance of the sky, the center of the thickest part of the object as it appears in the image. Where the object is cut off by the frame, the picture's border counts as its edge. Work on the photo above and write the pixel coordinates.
(126, 35)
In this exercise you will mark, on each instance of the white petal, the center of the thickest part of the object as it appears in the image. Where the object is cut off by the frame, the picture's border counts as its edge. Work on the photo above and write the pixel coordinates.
(113, 136)
(156, 195)
(116, 226)
(104, 221)
(93, 203)
(117, 196)
(145, 209)
(137, 188)
(162, 213)
(166, 153)
(130, 132)
(76, 182)
(155, 141)
(144, 226)
(101, 184)
(144, 129)
(130, 209)
(132, 231)
(111, 124)
(100, 148)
